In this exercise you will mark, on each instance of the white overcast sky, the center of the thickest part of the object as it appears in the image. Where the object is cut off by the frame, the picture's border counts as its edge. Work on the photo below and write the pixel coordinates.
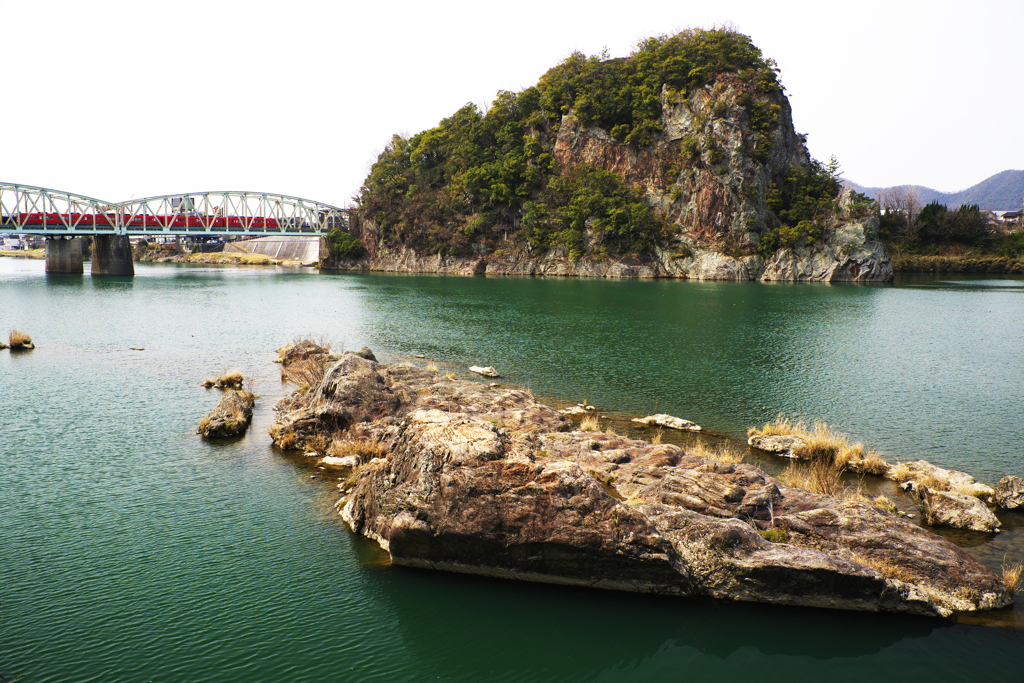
(118, 99)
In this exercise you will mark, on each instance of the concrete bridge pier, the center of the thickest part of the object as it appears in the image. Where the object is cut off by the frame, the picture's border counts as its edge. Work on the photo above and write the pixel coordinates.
(112, 255)
(64, 255)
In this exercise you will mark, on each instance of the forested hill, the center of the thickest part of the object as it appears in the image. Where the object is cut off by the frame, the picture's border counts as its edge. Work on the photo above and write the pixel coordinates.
(1002, 192)
(691, 135)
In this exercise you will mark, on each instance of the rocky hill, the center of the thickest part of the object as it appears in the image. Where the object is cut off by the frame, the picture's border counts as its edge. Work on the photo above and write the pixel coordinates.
(1002, 192)
(680, 160)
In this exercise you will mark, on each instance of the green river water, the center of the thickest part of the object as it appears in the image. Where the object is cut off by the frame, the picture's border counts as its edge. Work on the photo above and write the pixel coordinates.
(131, 550)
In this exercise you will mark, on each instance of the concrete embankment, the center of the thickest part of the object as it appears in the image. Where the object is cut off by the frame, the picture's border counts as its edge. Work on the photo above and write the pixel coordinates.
(302, 248)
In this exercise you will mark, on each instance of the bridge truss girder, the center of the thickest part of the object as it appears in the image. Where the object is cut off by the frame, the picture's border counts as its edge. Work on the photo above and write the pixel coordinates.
(38, 210)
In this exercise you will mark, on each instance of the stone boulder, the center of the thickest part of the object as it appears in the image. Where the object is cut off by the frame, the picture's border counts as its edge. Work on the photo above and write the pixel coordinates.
(663, 420)
(1010, 493)
(231, 416)
(958, 510)
(494, 483)
(784, 445)
(485, 371)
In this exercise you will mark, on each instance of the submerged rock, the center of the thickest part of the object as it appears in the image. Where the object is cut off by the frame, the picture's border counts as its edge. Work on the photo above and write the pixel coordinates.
(492, 482)
(663, 420)
(231, 417)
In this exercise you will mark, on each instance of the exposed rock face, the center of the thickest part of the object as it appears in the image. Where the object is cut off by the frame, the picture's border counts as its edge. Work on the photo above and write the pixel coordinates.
(1010, 493)
(845, 254)
(231, 417)
(491, 482)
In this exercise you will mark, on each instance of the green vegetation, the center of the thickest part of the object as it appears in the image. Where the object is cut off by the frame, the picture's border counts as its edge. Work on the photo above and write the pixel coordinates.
(342, 244)
(479, 180)
(802, 198)
(938, 239)
(775, 535)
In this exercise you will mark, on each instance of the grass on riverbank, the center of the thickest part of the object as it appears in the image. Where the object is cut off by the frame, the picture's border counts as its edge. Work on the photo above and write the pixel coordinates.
(968, 263)
(24, 253)
(230, 259)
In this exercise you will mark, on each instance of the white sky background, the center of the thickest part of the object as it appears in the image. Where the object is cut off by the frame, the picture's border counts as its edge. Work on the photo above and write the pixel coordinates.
(118, 99)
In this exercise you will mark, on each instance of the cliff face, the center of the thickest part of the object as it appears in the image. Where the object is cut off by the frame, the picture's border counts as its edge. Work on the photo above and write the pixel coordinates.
(846, 253)
(708, 172)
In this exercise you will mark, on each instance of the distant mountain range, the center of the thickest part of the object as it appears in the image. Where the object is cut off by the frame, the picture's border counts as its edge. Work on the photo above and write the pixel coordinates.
(1002, 192)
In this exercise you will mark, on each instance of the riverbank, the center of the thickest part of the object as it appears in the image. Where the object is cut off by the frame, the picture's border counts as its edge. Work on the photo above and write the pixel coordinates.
(915, 263)
(482, 479)
(24, 253)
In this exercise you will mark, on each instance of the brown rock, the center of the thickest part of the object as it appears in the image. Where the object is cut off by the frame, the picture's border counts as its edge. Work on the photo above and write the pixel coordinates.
(231, 417)
(491, 482)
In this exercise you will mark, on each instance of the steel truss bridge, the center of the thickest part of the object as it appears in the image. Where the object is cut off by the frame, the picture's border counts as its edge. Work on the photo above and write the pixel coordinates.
(25, 209)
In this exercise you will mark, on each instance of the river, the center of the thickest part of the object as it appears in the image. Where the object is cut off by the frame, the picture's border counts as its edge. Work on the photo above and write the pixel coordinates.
(131, 550)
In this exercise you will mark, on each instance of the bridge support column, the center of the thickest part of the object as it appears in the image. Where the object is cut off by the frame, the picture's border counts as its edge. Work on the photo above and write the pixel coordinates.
(112, 255)
(64, 255)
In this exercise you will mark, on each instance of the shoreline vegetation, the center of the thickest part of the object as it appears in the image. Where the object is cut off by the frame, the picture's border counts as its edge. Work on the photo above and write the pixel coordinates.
(474, 477)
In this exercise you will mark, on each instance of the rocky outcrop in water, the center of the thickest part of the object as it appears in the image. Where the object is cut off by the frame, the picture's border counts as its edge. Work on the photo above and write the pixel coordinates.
(231, 416)
(488, 481)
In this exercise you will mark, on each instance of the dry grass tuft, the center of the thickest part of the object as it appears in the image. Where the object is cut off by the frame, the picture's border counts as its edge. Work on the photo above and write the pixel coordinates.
(17, 339)
(820, 476)
(232, 379)
(591, 423)
(450, 375)
(903, 472)
(431, 367)
(365, 449)
(873, 463)
(780, 426)
(308, 372)
(1011, 574)
(886, 569)
(822, 443)
(724, 453)
(658, 437)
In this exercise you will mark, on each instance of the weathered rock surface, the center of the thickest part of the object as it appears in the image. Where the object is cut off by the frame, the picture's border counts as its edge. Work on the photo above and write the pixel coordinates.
(663, 420)
(1010, 493)
(784, 445)
(492, 482)
(948, 508)
(231, 417)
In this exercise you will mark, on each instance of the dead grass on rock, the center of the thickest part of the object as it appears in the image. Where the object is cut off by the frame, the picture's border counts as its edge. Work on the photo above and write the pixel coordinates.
(19, 340)
(364, 449)
(590, 423)
(886, 569)
(821, 442)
